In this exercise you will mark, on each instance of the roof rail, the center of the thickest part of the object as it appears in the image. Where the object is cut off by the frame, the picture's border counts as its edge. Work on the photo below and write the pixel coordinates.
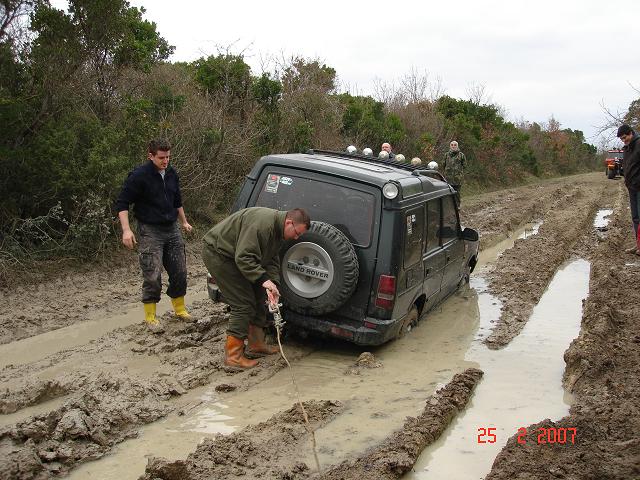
(366, 158)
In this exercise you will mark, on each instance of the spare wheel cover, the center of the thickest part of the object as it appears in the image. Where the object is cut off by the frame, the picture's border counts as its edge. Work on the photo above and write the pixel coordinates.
(319, 271)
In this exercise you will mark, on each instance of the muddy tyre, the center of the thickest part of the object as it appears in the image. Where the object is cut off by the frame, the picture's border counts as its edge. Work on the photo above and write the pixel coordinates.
(319, 270)
(409, 322)
(466, 276)
(611, 174)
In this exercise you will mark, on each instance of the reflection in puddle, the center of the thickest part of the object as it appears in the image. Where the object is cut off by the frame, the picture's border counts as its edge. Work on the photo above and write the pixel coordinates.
(522, 383)
(601, 220)
(530, 230)
(209, 420)
(489, 255)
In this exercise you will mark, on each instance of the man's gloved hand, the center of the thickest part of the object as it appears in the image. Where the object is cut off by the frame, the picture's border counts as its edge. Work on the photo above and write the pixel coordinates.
(273, 294)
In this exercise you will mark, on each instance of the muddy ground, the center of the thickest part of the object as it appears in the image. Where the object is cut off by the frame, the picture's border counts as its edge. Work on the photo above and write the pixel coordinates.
(92, 396)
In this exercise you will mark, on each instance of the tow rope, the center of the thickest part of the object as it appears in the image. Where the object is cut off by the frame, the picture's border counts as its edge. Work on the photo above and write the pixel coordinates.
(274, 309)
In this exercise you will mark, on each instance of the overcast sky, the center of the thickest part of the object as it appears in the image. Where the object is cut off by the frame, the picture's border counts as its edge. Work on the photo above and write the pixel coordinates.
(535, 58)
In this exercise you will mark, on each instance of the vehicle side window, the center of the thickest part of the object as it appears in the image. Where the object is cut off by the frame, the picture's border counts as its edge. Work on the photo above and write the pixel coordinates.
(413, 234)
(450, 226)
(433, 225)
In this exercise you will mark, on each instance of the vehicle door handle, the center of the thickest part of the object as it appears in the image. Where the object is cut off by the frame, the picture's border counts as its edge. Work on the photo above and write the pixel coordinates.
(428, 271)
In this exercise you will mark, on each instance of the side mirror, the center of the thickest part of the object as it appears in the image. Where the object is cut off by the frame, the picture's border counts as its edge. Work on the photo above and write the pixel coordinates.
(470, 234)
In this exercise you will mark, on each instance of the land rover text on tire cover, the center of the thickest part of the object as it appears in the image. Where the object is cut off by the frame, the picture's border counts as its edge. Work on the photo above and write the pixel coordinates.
(384, 247)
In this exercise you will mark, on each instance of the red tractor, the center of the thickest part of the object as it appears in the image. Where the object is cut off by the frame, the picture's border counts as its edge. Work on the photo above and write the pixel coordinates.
(613, 162)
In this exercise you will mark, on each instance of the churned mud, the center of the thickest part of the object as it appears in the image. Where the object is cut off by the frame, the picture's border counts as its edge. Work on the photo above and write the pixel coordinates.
(266, 450)
(112, 387)
(523, 272)
(601, 371)
(269, 449)
(64, 406)
(398, 453)
(71, 297)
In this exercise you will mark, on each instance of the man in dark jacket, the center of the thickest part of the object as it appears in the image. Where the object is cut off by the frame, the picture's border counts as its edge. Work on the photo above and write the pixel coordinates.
(242, 254)
(154, 191)
(631, 168)
(453, 166)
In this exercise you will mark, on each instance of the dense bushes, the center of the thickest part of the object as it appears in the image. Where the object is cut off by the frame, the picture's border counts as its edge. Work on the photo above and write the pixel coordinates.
(82, 92)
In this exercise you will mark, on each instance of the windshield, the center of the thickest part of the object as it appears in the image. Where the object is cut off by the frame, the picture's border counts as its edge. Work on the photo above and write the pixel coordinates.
(349, 210)
(615, 154)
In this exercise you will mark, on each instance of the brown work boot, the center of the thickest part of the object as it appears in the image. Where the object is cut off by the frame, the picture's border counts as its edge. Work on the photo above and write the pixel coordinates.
(234, 354)
(256, 346)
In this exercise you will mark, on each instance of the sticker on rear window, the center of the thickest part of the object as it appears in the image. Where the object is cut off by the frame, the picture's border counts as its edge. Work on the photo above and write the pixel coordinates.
(271, 185)
(286, 180)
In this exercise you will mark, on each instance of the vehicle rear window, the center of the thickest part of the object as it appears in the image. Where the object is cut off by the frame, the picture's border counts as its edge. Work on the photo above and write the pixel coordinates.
(349, 210)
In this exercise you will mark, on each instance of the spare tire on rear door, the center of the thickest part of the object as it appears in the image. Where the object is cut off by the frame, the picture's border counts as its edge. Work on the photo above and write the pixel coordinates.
(319, 270)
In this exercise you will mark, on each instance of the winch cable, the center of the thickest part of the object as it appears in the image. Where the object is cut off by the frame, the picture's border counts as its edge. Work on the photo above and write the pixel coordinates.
(274, 308)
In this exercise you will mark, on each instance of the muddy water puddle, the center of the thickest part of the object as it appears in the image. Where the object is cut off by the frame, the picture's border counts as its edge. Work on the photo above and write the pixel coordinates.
(376, 400)
(40, 346)
(522, 383)
(24, 413)
(489, 255)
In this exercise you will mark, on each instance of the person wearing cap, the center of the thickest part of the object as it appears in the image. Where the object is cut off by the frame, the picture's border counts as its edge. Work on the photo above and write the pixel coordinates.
(386, 147)
(631, 168)
(453, 166)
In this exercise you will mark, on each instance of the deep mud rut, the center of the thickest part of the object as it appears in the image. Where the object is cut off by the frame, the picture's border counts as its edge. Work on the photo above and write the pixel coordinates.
(76, 404)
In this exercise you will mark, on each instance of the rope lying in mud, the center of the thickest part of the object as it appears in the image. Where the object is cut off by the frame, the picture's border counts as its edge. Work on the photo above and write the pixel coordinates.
(279, 323)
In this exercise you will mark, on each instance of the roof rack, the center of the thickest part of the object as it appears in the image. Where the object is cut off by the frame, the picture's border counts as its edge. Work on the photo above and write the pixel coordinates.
(366, 158)
(430, 173)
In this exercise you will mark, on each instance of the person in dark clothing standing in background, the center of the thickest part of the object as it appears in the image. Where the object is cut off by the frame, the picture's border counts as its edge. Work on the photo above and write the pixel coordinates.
(631, 168)
(453, 166)
(154, 191)
(242, 254)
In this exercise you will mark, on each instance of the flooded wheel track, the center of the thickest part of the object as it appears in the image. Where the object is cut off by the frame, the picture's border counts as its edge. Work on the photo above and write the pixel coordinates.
(375, 402)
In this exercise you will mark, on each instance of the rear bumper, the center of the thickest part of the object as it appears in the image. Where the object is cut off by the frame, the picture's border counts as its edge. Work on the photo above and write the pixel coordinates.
(344, 329)
(351, 331)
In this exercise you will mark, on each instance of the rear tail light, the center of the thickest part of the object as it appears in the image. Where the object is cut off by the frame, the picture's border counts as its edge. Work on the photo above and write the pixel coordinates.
(386, 295)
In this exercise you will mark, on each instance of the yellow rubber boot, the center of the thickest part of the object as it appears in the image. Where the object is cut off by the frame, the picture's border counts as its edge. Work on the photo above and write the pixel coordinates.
(150, 318)
(180, 309)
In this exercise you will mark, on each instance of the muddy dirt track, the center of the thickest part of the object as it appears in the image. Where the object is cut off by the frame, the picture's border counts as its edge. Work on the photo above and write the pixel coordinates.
(80, 375)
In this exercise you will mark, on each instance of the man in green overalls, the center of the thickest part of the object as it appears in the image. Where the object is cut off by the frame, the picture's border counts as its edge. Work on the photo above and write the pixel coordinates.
(242, 254)
(453, 166)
